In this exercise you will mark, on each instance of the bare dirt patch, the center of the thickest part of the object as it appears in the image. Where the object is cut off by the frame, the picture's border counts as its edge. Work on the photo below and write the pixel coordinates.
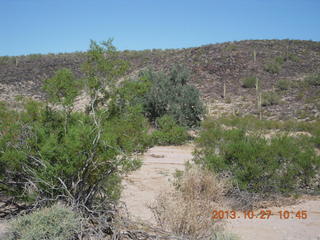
(143, 186)
(3, 230)
(278, 229)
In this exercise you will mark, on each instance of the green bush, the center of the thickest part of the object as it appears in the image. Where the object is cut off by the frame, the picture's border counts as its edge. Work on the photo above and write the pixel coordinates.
(170, 94)
(270, 98)
(160, 94)
(39, 148)
(130, 94)
(293, 57)
(313, 80)
(273, 67)
(54, 223)
(279, 60)
(283, 164)
(169, 132)
(283, 84)
(129, 130)
(62, 88)
(249, 82)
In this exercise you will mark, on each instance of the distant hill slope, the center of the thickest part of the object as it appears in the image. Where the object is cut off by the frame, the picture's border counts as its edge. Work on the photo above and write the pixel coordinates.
(211, 66)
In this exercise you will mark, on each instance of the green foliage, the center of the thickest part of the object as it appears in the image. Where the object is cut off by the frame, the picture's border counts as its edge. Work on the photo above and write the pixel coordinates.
(293, 57)
(40, 150)
(129, 130)
(316, 138)
(102, 68)
(252, 123)
(169, 132)
(170, 94)
(283, 164)
(279, 60)
(130, 94)
(283, 84)
(5, 59)
(49, 154)
(249, 82)
(62, 88)
(273, 67)
(54, 223)
(313, 80)
(160, 94)
(270, 98)
(34, 56)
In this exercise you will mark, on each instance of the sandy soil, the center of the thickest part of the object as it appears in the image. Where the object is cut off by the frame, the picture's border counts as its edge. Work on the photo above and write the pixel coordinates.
(142, 187)
(3, 228)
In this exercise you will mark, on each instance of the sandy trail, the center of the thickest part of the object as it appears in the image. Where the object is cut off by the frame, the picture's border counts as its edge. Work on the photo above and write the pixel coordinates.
(143, 185)
(3, 230)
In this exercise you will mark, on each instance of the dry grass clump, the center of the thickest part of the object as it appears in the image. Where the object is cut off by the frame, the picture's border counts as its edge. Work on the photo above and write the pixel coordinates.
(186, 211)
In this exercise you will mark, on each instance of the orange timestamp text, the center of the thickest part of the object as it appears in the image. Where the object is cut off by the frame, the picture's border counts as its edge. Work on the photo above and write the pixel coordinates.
(262, 214)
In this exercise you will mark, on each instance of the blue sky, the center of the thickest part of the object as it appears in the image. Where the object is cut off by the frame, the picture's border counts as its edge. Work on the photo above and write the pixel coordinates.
(43, 26)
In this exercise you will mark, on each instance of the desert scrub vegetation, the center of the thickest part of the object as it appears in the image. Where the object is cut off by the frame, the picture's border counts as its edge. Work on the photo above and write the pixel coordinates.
(282, 164)
(250, 122)
(162, 94)
(171, 105)
(313, 80)
(249, 82)
(275, 65)
(168, 132)
(50, 153)
(270, 98)
(283, 84)
(186, 210)
(55, 223)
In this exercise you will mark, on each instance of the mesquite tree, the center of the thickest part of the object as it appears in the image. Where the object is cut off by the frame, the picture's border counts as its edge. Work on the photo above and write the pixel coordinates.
(49, 153)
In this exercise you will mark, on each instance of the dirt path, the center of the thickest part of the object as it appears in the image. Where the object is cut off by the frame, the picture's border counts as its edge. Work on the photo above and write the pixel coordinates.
(3, 230)
(142, 187)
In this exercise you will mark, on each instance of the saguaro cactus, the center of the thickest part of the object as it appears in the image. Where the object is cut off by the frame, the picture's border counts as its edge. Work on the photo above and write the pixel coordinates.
(259, 99)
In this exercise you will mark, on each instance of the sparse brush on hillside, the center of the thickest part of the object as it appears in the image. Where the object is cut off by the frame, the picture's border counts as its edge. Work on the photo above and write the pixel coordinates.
(249, 82)
(209, 65)
(270, 98)
(283, 84)
(313, 80)
(252, 123)
(282, 164)
(275, 65)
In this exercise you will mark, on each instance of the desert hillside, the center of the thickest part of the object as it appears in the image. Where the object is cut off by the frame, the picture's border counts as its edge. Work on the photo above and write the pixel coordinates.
(212, 66)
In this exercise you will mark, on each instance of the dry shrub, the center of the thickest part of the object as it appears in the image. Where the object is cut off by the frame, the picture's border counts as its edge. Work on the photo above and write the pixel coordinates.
(187, 210)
